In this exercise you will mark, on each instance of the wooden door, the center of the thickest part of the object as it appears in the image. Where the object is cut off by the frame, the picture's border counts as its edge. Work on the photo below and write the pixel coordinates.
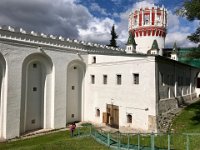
(113, 115)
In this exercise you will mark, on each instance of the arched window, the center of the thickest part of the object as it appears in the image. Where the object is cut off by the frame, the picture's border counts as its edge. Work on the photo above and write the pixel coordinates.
(98, 112)
(129, 118)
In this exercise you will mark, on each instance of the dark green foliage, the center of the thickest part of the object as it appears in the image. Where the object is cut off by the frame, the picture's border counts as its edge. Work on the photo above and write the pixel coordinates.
(114, 36)
(195, 37)
(191, 10)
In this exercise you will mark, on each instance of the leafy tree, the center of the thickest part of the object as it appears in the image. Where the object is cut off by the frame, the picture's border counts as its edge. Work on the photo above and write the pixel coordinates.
(114, 36)
(191, 10)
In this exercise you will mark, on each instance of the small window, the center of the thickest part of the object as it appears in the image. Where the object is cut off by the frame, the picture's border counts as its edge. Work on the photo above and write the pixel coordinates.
(105, 78)
(92, 79)
(94, 59)
(73, 87)
(34, 89)
(98, 112)
(136, 78)
(34, 65)
(75, 68)
(119, 79)
(129, 118)
(72, 115)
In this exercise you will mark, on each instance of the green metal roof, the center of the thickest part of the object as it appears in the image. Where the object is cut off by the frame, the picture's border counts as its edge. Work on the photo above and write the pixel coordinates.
(131, 40)
(154, 45)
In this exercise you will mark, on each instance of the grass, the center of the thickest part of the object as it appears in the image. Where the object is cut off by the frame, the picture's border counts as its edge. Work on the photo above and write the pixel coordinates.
(189, 119)
(59, 140)
(187, 122)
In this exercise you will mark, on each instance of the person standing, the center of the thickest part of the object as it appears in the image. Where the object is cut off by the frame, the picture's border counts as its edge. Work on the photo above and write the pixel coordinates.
(72, 128)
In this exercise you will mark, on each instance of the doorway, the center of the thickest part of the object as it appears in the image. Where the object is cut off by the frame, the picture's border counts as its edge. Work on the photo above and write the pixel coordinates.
(112, 115)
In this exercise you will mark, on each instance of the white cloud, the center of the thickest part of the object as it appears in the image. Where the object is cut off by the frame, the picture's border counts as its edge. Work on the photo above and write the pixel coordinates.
(98, 31)
(97, 8)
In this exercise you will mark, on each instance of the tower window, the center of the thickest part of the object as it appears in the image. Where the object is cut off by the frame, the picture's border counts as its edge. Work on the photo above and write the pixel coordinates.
(92, 79)
(73, 87)
(119, 79)
(129, 118)
(146, 19)
(105, 78)
(75, 67)
(136, 78)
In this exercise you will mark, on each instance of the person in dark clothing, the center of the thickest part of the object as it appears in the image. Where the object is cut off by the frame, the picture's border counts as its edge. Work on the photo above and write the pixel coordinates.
(72, 129)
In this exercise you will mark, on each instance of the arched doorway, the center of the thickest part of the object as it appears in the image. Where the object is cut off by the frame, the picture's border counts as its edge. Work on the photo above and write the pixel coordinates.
(36, 111)
(75, 76)
(2, 95)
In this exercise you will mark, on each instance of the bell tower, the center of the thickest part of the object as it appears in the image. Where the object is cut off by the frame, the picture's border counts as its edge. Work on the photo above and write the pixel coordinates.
(147, 25)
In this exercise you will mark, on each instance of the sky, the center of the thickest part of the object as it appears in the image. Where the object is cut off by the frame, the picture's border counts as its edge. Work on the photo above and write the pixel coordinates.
(91, 20)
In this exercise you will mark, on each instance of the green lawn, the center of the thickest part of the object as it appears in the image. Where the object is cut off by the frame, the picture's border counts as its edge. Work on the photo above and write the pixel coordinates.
(60, 141)
(188, 120)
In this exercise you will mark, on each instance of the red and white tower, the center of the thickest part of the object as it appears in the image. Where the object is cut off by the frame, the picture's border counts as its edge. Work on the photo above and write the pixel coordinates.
(147, 25)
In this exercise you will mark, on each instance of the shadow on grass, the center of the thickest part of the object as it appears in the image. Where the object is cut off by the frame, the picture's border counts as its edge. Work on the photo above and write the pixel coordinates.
(196, 109)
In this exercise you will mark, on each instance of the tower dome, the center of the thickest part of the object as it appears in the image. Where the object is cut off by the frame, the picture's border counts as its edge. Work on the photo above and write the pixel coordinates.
(148, 24)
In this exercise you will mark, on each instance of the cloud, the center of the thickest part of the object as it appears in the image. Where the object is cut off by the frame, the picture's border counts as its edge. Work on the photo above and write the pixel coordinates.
(95, 7)
(46, 16)
(71, 19)
(98, 31)
(179, 32)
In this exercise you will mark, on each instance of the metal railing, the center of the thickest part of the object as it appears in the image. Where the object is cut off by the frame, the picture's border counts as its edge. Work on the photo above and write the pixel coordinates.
(143, 141)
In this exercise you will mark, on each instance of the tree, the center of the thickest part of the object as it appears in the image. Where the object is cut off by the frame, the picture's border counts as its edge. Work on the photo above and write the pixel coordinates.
(114, 36)
(191, 10)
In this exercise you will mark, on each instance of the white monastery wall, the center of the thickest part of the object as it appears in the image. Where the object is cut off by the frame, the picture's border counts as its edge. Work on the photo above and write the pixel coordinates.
(131, 98)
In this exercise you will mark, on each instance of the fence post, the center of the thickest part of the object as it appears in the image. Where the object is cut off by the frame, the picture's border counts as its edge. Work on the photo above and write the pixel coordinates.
(118, 140)
(152, 141)
(169, 141)
(95, 134)
(138, 141)
(128, 141)
(78, 131)
(108, 139)
(90, 130)
(188, 142)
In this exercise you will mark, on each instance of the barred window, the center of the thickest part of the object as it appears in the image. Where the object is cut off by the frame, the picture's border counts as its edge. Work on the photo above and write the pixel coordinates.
(93, 79)
(105, 78)
(119, 79)
(136, 78)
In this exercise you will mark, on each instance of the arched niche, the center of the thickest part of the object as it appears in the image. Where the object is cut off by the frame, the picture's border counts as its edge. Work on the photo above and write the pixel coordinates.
(37, 93)
(2, 95)
(75, 83)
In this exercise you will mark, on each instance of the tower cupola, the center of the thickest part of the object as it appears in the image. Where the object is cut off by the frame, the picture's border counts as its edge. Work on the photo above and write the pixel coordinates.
(148, 24)
(131, 44)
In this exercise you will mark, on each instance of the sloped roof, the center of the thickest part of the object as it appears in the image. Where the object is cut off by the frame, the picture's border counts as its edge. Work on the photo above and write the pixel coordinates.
(131, 39)
(155, 45)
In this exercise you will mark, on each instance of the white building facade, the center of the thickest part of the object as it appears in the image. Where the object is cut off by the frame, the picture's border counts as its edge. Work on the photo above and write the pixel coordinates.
(47, 82)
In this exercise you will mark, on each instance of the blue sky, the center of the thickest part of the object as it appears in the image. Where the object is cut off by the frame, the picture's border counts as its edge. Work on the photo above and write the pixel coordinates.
(90, 20)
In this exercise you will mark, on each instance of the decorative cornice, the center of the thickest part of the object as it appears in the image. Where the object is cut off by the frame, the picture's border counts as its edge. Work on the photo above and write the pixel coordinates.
(21, 35)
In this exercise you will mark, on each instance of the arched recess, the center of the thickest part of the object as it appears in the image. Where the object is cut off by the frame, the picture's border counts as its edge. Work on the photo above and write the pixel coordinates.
(37, 93)
(196, 84)
(2, 95)
(75, 84)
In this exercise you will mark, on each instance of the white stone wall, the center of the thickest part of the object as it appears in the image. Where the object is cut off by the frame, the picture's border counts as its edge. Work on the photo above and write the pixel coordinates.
(144, 43)
(14, 56)
(131, 98)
